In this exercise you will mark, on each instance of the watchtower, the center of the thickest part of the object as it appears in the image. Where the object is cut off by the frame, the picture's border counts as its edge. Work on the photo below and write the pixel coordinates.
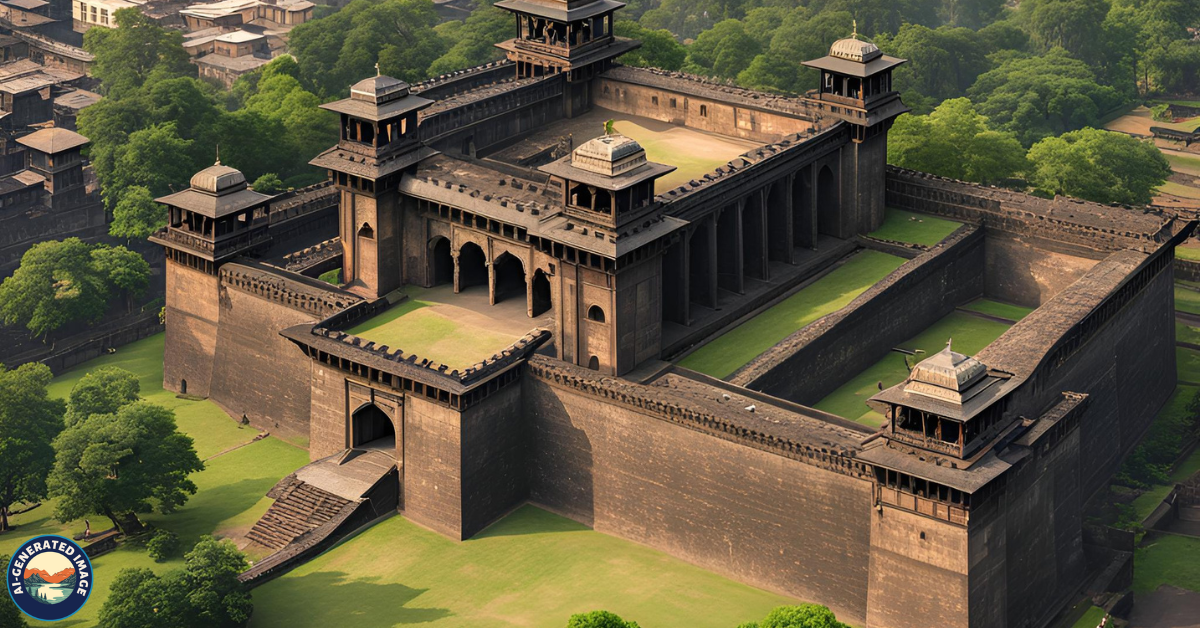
(573, 37)
(611, 313)
(856, 86)
(378, 143)
(54, 155)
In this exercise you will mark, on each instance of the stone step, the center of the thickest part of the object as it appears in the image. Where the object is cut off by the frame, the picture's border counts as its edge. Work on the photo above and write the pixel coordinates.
(298, 509)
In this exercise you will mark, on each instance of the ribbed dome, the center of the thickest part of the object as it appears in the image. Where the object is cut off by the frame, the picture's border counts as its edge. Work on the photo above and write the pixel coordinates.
(853, 49)
(609, 155)
(948, 370)
(379, 89)
(218, 179)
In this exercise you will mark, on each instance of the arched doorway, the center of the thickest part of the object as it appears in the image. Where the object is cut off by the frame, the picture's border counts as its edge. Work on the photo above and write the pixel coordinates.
(700, 276)
(510, 277)
(372, 429)
(472, 266)
(441, 263)
(541, 293)
(827, 203)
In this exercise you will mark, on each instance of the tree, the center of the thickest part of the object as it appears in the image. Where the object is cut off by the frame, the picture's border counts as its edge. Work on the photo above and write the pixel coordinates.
(599, 619)
(1098, 165)
(127, 55)
(724, 50)
(1073, 25)
(955, 141)
(151, 159)
(943, 62)
(473, 41)
(29, 422)
(55, 284)
(801, 616)
(268, 184)
(123, 271)
(1034, 97)
(117, 463)
(659, 48)
(102, 391)
(204, 593)
(136, 215)
(10, 615)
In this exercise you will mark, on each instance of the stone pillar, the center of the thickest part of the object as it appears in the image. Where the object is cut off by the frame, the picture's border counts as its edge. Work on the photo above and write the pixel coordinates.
(731, 271)
(491, 271)
(457, 282)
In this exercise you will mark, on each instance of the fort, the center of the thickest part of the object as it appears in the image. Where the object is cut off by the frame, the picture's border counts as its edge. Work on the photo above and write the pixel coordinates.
(520, 281)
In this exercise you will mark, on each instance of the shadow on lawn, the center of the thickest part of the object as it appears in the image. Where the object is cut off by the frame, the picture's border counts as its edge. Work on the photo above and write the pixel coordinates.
(527, 520)
(339, 599)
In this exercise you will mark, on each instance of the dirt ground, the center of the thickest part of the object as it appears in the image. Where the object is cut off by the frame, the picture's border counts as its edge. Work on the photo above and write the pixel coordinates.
(1166, 607)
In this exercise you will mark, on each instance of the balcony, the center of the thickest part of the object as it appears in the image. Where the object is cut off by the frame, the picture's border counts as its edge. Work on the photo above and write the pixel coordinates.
(225, 247)
(953, 513)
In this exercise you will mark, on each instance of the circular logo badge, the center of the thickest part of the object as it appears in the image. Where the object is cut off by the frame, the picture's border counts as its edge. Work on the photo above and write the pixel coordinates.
(49, 578)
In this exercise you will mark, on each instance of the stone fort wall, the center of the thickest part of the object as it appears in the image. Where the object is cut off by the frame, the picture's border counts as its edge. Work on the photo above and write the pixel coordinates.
(780, 523)
(814, 361)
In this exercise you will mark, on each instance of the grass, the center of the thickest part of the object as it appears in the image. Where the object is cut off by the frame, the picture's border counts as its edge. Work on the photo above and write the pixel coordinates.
(1187, 365)
(911, 228)
(1187, 300)
(1091, 618)
(1186, 333)
(998, 309)
(1188, 252)
(1180, 190)
(693, 153)
(1186, 165)
(333, 276)
(416, 327)
(232, 486)
(1145, 503)
(970, 333)
(729, 352)
(1168, 559)
(531, 569)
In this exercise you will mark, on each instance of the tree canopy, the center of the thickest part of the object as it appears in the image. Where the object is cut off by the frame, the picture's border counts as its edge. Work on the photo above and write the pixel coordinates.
(955, 141)
(10, 615)
(101, 391)
(204, 593)
(599, 619)
(801, 616)
(123, 462)
(29, 422)
(1099, 166)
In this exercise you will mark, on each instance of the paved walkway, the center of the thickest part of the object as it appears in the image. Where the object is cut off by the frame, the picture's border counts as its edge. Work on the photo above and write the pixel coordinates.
(1166, 607)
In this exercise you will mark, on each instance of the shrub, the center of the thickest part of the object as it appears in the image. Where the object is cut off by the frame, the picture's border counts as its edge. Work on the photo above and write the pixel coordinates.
(599, 619)
(162, 545)
(1162, 112)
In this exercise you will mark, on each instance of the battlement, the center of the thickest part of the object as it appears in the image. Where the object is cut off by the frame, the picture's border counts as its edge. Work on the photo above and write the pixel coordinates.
(1083, 224)
(454, 82)
(449, 114)
(296, 292)
(703, 87)
(313, 255)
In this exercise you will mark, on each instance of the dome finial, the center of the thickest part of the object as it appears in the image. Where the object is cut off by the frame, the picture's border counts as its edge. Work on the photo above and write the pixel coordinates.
(377, 72)
(218, 161)
(854, 22)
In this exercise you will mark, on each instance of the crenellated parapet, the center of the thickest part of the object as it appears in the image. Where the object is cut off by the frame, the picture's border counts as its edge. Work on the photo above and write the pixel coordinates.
(313, 255)
(704, 87)
(298, 293)
(657, 402)
(461, 80)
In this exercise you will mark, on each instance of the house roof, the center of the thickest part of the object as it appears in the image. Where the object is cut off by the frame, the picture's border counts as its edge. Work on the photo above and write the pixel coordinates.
(561, 11)
(53, 140)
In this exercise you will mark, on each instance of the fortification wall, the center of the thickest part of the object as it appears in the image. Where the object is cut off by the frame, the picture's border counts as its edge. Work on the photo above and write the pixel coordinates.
(432, 483)
(781, 523)
(918, 571)
(192, 316)
(646, 93)
(1020, 272)
(495, 449)
(256, 372)
(815, 360)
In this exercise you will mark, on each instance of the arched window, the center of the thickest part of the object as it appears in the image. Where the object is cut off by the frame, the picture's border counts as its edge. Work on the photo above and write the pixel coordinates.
(595, 314)
(366, 231)
(183, 386)
(594, 363)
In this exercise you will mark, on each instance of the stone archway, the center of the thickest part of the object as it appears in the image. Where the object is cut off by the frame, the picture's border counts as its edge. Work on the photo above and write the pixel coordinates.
(540, 295)
(372, 428)
(509, 279)
(441, 262)
(472, 267)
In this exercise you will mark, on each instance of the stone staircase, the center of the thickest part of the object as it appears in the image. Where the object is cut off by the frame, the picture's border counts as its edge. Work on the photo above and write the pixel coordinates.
(299, 508)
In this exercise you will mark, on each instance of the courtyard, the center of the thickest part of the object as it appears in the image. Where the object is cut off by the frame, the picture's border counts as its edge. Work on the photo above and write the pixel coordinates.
(457, 330)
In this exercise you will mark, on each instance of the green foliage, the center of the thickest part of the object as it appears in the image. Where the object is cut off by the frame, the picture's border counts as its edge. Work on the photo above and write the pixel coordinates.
(1150, 463)
(136, 215)
(942, 62)
(801, 616)
(801, 35)
(268, 184)
(1035, 97)
(333, 276)
(123, 462)
(59, 282)
(599, 619)
(102, 391)
(204, 593)
(1072, 25)
(126, 56)
(659, 47)
(1161, 112)
(1098, 165)
(29, 422)
(10, 615)
(473, 41)
(342, 49)
(724, 50)
(162, 545)
(955, 141)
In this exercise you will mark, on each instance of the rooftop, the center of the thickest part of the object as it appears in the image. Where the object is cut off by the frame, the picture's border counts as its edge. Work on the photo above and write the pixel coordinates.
(216, 191)
(239, 37)
(53, 140)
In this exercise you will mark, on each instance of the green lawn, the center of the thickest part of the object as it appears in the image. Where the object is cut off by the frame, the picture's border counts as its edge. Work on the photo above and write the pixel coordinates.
(1168, 559)
(1145, 503)
(970, 334)
(1188, 252)
(1186, 333)
(1178, 189)
(333, 276)
(912, 228)
(1187, 300)
(693, 153)
(532, 569)
(729, 352)
(231, 488)
(1186, 165)
(1187, 365)
(417, 327)
(996, 308)
(1091, 618)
